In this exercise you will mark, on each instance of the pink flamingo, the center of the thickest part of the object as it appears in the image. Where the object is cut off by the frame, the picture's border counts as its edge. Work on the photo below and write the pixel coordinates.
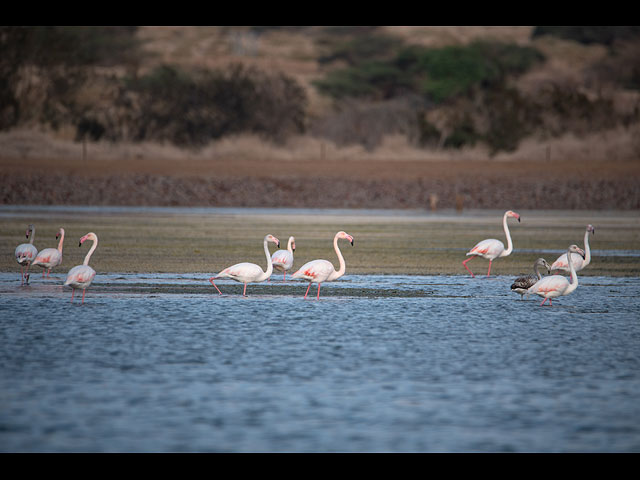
(50, 257)
(283, 259)
(81, 276)
(320, 271)
(578, 262)
(25, 253)
(492, 248)
(557, 285)
(248, 272)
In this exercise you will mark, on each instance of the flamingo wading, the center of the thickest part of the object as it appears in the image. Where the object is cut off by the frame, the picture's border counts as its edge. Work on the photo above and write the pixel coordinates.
(50, 257)
(492, 248)
(557, 285)
(521, 284)
(81, 276)
(283, 259)
(26, 253)
(578, 262)
(320, 271)
(248, 272)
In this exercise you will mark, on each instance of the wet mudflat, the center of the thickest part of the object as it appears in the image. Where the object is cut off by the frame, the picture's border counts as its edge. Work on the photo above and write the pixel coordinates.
(394, 363)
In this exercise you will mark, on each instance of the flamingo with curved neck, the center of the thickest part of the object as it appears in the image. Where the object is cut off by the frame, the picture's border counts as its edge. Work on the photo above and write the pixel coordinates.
(283, 259)
(81, 276)
(557, 285)
(492, 248)
(50, 257)
(25, 253)
(578, 262)
(320, 271)
(248, 272)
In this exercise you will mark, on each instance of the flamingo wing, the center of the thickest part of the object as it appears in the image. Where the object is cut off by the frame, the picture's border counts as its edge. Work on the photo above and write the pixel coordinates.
(80, 276)
(282, 260)
(489, 248)
(242, 272)
(524, 282)
(49, 257)
(315, 270)
(553, 285)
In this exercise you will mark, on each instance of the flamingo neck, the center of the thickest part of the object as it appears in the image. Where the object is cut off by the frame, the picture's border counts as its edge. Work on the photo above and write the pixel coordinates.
(536, 270)
(343, 266)
(269, 271)
(289, 247)
(90, 252)
(60, 242)
(587, 250)
(574, 276)
(508, 234)
(33, 234)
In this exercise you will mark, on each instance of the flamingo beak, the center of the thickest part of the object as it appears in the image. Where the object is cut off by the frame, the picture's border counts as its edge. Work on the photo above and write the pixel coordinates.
(80, 244)
(352, 241)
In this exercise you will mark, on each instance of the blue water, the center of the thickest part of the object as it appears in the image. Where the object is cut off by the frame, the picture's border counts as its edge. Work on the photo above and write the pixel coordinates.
(468, 367)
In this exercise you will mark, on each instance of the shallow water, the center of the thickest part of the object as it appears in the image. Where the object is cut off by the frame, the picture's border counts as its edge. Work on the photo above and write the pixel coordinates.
(387, 363)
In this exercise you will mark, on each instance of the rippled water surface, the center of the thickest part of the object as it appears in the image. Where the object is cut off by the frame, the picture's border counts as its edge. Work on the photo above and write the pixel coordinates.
(379, 364)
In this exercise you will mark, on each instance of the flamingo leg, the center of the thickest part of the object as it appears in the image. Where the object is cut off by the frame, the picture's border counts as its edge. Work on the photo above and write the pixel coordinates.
(21, 275)
(43, 272)
(489, 272)
(464, 263)
(73, 290)
(318, 297)
(83, 295)
(284, 277)
(211, 280)
(244, 292)
(545, 299)
(306, 293)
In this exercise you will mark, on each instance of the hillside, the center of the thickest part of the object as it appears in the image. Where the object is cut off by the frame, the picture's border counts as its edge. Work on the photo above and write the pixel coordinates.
(351, 153)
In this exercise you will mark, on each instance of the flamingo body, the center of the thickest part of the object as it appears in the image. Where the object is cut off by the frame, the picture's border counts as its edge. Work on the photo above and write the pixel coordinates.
(578, 262)
(283, 259)
(81, 276)
(25, 253)
(320, 271)
(492, 248)
(50, 257)
(555, 286)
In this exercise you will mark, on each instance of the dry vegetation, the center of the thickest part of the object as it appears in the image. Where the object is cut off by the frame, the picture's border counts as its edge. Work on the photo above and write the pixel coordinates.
(596, 170)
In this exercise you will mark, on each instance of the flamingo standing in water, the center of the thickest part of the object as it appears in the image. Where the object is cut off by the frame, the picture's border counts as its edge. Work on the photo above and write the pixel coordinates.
(283, 259)
(50, 257)
(557, 285)
(25, 254)
(578, 262)
(81, 276)
(248, 272)
(492, 248)
(320, 271)
(521, 284)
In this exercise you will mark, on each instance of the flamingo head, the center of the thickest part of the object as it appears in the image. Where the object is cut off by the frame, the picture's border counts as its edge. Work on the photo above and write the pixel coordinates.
(60, 232)
(271, 238)
(541, 262)
(29, 230)
(88, 236)
(513, 214)
(578, 250)
(590, 228)
(292, 243)
(346, 236)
